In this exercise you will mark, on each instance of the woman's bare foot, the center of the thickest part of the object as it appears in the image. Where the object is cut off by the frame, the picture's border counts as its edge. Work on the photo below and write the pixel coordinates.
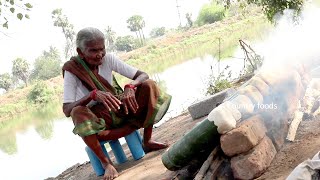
(110, 172)
(154, 146)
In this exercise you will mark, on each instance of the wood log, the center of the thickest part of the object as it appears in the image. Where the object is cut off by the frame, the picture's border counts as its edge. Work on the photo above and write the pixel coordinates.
(315, 111)
(214, 168)
(294, 125)
(208, 176)
(205, 166)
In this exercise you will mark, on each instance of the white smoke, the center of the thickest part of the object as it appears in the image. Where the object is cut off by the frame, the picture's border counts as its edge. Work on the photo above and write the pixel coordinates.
(292, 42)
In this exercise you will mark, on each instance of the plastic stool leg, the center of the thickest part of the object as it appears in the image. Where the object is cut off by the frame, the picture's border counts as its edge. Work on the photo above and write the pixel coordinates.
(135, 145)
(118, 151)
(139, 136)
(94, 160)
(102, 144)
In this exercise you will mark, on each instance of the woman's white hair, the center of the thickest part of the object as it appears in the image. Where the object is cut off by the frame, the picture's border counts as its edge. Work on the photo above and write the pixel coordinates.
(88, 34)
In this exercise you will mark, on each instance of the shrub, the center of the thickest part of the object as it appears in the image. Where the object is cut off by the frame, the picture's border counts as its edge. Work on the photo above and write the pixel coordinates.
(157, 32)
(40, 93)
(211, 13)
(219, 83)
(127, 43)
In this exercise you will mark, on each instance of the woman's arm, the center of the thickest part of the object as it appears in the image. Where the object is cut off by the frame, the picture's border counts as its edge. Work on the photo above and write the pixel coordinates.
(67, 107)
(126, 70)
(70, 83)
(139, 77)
(106, 98)
(129, 100)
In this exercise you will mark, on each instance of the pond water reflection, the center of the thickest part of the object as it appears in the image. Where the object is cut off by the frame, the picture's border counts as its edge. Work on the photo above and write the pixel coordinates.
(39, 158)
(188, 82)
(42, 145)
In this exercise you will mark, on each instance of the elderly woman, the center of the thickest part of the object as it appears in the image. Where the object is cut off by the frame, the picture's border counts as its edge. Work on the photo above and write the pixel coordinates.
(99, 108)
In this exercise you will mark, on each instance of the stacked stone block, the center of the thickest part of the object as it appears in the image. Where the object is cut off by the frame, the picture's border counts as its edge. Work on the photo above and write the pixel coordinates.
(266, 103)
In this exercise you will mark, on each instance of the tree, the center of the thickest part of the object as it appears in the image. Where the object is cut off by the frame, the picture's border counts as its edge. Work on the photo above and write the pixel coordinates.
(20, 70)
(272, 7)
(47, 65)
(133, 28)
(60, 20)
(11, 7)
(135, 24)
(141, 24)
(157, 32)
(110, 37)
(5, 81)
(189, 20)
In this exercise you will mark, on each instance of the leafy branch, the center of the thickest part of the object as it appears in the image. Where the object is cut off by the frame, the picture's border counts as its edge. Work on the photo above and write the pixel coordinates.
(252, 61)
(272, 7)
(13, 8)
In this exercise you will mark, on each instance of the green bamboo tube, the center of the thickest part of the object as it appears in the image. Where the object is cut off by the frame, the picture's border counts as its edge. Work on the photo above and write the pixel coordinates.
(201, 138)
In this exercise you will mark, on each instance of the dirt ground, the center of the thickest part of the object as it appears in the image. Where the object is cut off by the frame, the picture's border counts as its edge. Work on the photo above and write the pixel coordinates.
(150, 167)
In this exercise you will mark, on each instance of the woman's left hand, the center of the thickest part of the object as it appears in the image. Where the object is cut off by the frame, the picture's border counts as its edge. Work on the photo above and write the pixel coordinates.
(129, 101)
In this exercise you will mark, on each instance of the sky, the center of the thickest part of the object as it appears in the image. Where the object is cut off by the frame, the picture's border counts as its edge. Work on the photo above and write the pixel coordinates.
(30, 37)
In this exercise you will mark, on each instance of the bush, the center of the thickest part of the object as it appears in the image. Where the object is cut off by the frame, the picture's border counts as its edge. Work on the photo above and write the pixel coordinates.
(40, 93)
(127, 43)
(211, 13)
(219, 83)
(157, 32)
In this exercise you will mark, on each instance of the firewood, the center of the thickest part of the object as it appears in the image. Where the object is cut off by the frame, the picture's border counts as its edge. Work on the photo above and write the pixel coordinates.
(208, 176)
(205, 166)
(215, 166)
(294, 125)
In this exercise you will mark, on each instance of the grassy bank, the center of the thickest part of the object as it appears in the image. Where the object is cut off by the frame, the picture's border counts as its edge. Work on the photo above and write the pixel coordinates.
(178, 47)
(16, 102)
(197, 42)
(160, 54)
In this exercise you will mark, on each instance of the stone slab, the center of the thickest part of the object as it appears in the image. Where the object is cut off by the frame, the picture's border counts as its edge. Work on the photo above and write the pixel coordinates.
(204, 107)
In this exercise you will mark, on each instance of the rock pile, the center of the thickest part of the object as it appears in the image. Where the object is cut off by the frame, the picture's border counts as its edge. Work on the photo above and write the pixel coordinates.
(267, 103)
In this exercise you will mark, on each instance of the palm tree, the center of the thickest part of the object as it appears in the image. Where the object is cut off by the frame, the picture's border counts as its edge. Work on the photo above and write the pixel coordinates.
(132, 26)
(141, 24)
(110, 36)
(20, 70)
(136, 23)
(61, 20)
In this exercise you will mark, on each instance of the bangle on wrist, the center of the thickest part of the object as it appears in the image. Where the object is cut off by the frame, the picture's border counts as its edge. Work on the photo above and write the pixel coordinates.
(93, 94)
(129, 86)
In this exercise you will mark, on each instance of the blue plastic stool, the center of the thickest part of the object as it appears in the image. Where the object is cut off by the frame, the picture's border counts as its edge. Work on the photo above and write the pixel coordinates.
(134, 143)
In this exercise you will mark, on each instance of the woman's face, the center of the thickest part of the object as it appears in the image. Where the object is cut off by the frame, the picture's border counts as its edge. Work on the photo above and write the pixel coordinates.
(94, 52)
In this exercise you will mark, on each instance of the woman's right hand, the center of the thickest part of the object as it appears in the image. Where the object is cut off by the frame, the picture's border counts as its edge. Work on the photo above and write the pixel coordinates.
(108, 100)
(110, 172)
